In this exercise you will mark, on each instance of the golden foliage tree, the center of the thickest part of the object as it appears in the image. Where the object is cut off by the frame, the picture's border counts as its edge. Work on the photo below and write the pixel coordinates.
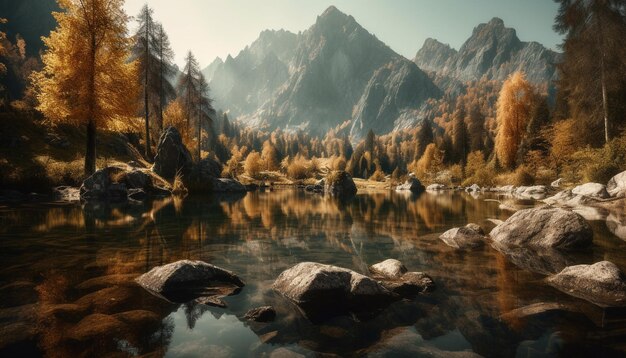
(87, 78)
(514, 108)
(253, 164)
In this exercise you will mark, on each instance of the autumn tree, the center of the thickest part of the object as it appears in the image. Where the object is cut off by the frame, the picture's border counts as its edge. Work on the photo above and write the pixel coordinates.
(513, 113)
(424, 138)
(87, 78)
(252, 165)
(459, 134)
(593, 71)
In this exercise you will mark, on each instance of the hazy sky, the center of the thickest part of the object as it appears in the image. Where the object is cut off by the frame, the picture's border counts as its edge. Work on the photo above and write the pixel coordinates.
(213, 28)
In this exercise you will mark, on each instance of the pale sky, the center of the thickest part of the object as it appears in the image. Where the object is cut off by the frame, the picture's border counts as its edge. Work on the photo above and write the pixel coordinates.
(212, 28)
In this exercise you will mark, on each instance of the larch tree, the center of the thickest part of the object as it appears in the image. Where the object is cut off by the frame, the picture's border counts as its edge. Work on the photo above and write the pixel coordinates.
(424, 138)
(514, 108)
(87, 77)
(459, 134)
(165, 68)
(593, 71)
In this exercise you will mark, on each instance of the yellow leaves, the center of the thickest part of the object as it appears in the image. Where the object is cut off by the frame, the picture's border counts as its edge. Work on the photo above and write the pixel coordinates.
(514, 109)
(86, 73)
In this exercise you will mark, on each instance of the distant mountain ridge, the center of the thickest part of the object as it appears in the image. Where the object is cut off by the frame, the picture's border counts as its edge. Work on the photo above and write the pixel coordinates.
(492, 50)
(337, 71)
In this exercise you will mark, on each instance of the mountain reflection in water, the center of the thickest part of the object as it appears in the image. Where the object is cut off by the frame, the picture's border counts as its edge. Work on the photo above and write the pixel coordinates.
(66, 279)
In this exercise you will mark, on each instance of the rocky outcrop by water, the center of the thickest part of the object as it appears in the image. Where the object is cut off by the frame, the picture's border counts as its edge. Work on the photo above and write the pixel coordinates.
(183, 280)
(469, 236)
(616, 186)
(544, 227)
(172, 157)
(340, 183)
(601, 283)
(592, 190)
(412, 184)
(118, 183)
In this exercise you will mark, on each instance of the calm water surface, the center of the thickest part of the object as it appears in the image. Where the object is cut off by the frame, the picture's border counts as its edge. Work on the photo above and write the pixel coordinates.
(66, 279)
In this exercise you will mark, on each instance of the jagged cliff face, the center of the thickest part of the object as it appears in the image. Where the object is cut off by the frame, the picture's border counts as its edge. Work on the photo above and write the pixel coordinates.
(332, 72)
(493, 51)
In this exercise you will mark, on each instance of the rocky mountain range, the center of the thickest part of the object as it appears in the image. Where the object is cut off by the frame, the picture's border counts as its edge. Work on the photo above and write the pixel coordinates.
(493, 51)
(337, 71)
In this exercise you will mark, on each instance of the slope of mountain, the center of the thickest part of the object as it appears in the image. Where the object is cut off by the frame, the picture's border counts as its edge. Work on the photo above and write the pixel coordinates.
(332, 72)
(492, 50)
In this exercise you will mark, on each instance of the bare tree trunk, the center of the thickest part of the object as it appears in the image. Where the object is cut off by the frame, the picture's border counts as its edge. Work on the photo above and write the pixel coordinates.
(605, 104)
(90, 152)
(145, 89)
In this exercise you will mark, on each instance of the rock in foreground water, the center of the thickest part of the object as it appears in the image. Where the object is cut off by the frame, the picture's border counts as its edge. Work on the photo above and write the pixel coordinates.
(544, 227)
(389, 268)
(593, 190)
(469, 236)
(601, 283)
(186, 279)
(315, 286)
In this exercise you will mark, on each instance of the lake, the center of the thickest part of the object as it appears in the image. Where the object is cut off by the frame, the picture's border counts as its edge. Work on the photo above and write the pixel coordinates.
(67, 271)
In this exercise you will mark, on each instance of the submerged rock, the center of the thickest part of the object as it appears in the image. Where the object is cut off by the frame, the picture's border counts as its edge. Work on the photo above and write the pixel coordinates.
(185, 279)
(261, 314)
(394, 277)
(593, 190)
(601, 283)
(314, 286)
(616, 186)
(545, 261)
(172, 157)
(340, 183)
(544, 227)
(469, 236)
(412, 184)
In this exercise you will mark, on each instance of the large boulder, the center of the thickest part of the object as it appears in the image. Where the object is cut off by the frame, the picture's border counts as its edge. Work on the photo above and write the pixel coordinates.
(261, 314)
(104, 185)
(339, 183)
(544, 227)
(184, 280)
(469, 236)
(601, 283)
(202, 175)
(617, 185)
(473, 188)
(412, 184)
(593, 190)
(315, 286)
(172, 157)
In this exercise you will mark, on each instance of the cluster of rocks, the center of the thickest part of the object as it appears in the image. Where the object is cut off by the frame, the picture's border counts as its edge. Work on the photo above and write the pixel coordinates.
(541, 240)
(339, 183)
(589, 194)
(118, 183)
(319, 290)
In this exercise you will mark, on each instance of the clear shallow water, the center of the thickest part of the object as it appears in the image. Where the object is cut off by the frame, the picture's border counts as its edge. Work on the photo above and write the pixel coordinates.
(66, 276)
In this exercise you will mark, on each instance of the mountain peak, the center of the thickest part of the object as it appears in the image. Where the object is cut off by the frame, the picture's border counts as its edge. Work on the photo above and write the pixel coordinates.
(332, 15)
(496, 22)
